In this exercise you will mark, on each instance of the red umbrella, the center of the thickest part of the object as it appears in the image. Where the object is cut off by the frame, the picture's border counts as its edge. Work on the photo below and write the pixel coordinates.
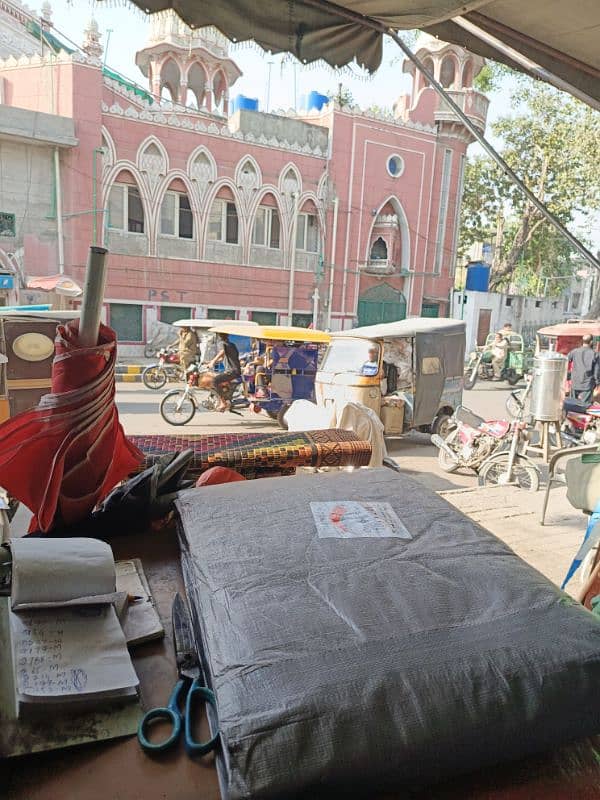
(64, 456)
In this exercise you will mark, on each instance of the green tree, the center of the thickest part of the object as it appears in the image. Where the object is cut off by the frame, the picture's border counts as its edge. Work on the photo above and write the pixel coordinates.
(553, 144)
(342, 95)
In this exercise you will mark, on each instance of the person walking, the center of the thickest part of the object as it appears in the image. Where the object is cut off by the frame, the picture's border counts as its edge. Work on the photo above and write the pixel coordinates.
(585, 370)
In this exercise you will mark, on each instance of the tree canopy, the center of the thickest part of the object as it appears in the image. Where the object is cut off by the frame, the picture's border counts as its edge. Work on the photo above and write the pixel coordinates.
(552, 142)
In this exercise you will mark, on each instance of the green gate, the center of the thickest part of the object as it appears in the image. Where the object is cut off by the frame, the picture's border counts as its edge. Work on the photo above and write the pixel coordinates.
(381, 303)
(430, 310)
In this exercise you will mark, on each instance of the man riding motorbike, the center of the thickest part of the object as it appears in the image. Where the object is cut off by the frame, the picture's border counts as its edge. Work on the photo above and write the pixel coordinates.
(499, 349)
(229, 355)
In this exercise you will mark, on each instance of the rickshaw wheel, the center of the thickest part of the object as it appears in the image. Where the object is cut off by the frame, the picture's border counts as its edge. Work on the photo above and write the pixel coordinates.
(281, 416)
(273, 414)
(441, 424)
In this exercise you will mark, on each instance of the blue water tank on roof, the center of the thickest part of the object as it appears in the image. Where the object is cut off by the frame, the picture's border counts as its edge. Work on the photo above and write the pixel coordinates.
(478, 277)
(316, 100)
(243, 103)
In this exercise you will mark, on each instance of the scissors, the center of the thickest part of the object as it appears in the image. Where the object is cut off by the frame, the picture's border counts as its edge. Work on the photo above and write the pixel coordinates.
(189, 685)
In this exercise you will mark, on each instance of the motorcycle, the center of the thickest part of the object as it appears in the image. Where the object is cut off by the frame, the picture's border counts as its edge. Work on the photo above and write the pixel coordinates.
(581, 421)
(166, 369)
(179, 406)
(491, 448)
(480, 362)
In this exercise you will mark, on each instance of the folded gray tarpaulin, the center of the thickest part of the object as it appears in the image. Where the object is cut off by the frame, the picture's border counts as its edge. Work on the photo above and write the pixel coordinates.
(359, 663)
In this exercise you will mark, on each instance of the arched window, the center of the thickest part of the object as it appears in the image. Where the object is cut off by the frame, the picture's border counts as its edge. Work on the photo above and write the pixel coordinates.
(223, 222)
(307, 232)
(170, 78)
(125, 207)
(267, 226)
(428, 64)
(447, 72)
(219, 90)
(176, 217)
(379, 250)
(467, 78)
(197, 84)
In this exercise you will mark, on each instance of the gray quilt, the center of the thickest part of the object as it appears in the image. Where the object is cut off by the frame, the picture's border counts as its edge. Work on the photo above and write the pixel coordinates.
(356, 662)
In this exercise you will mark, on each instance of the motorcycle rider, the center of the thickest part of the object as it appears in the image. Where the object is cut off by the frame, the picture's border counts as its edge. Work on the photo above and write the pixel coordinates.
(499, 349)
(187, 347)
(585, 370)
(230, 356)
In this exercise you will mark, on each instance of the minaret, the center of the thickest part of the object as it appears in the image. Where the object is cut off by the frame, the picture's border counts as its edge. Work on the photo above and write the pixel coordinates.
(91, 43)
(193, 66)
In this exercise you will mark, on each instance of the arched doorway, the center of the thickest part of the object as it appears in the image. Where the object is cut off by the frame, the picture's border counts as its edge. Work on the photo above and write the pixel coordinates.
(381, 303)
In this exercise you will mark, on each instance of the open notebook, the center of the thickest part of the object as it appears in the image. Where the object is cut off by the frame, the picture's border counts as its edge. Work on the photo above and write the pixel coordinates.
(67, 644)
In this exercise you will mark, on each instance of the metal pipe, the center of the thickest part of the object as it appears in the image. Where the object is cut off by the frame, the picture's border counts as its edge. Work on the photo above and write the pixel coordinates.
(95, 192)
(531, 67)
(315, 298)
(332, 268)
(93, 296)
(293, 259)
(374, 25)
(59, 217)
(494, 154)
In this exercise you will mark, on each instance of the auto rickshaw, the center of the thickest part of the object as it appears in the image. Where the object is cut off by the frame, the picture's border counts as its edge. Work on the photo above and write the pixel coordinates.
(409, 372)
(566, 336)
(479, 365)
(282, 365)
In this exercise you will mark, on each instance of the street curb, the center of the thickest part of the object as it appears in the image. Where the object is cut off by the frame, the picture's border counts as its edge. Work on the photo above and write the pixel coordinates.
(124, 377)
(129, 369)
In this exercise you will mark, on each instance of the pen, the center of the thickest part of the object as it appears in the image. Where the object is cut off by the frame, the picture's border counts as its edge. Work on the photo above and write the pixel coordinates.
(134, 598)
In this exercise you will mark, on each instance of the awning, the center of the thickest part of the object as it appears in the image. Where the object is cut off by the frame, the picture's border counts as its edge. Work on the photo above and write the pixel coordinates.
(55, 283)
(562, 37)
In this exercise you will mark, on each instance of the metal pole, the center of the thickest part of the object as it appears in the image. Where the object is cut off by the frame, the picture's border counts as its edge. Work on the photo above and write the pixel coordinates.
(95, 192)
(533, 68)
(315, 299)
(494, 154)
(332, 268)
(380, 27)
(93, 296)
(293, 260)
(59, 217)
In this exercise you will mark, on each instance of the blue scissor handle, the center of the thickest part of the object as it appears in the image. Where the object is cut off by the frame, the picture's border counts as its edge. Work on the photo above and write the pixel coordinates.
(198, 748)
(170, 713)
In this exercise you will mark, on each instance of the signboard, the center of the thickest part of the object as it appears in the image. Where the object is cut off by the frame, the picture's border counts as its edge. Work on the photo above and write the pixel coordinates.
(7, 282)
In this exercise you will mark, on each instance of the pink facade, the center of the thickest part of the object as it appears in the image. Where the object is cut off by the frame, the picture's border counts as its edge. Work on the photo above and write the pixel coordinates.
(338, 214)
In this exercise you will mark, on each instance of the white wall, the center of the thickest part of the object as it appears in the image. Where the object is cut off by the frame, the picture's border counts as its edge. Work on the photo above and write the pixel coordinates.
(526, 314)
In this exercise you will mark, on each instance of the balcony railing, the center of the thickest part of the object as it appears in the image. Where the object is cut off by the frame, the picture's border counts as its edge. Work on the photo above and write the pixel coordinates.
(472, 103)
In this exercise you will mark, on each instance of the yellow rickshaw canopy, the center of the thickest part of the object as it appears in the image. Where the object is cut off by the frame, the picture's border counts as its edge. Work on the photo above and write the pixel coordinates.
(279, 333)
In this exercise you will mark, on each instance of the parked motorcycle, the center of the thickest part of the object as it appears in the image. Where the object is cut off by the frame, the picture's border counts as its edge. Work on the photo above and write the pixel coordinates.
(166, 369)
(581, 421)
(491, 448)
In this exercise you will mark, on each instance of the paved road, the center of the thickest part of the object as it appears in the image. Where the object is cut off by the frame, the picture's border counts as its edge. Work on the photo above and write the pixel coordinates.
(138, 408)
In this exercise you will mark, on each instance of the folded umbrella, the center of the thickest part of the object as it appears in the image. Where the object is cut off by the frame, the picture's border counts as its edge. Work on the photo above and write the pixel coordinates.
(64, 456)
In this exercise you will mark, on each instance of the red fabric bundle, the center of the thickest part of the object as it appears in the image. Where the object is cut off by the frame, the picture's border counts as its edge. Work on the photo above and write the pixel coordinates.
(63, 457)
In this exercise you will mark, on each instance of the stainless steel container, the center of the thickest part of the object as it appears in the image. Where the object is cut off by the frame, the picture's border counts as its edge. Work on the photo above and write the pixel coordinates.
(548, 387)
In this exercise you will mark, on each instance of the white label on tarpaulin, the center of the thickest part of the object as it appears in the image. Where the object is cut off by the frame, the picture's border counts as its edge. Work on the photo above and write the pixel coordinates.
(348, 519)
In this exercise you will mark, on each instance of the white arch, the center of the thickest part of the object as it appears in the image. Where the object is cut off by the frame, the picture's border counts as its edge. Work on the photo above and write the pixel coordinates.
(111, 150)
(210, 199)
(107, 184)
(202, 187)
(196, 211)
(261, 194)
(144, 146)
(404, 232)
(283, 174)
(247, 186)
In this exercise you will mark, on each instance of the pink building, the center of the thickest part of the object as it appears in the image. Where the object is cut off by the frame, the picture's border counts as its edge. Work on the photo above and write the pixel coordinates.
(208, 210)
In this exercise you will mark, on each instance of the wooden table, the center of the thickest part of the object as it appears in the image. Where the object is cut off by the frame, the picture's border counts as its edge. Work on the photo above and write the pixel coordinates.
(119, 770)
